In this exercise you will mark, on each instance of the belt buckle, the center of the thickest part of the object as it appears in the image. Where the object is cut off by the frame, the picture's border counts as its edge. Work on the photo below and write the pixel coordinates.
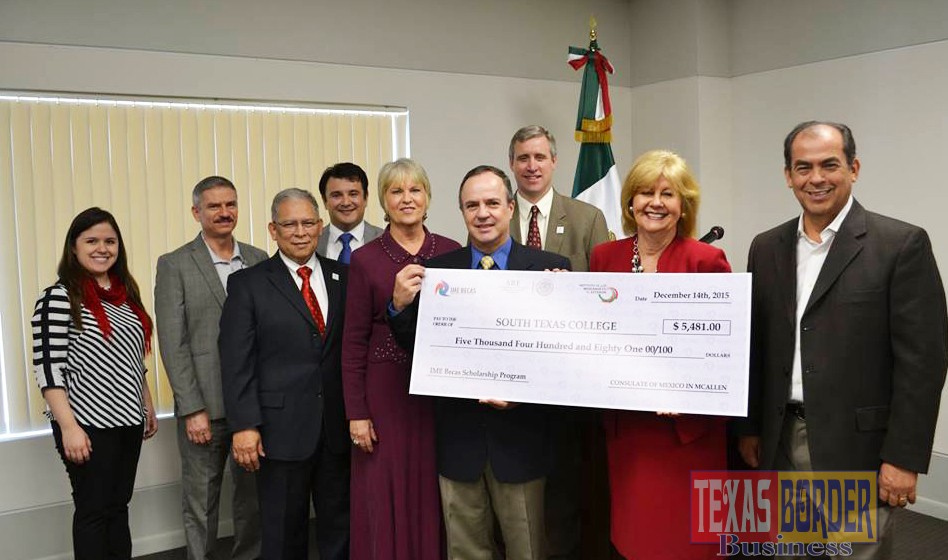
(797, 409)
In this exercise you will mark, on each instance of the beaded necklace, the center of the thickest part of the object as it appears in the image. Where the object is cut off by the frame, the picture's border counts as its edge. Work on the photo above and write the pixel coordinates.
(637, 267)
(636, 259)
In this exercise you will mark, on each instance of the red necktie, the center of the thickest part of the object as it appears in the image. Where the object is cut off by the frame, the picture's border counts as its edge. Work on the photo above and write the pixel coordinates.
(310, 298)
(533, 235)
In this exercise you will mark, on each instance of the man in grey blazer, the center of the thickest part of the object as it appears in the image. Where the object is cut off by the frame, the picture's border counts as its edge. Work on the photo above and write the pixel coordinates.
(849, 333)
(344, 188)
(189, 295)
(544, 219)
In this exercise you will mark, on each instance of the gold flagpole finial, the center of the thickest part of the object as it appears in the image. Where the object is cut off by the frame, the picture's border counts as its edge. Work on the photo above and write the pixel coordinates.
(592, 28)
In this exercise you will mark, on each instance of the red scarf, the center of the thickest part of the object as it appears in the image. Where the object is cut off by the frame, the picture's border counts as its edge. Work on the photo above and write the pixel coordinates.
(92, 296)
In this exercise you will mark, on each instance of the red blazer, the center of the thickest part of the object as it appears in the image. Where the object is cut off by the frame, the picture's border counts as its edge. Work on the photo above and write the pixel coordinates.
(683, 255)
(651, 456)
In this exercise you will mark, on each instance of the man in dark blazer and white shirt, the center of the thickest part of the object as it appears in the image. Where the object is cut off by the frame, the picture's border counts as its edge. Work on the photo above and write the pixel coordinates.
(280, 345)
(344, 188)
(492, 455)
(189, 296)
(849, 332)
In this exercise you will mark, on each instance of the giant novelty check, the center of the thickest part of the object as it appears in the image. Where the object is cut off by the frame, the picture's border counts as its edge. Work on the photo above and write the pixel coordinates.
(662, 342)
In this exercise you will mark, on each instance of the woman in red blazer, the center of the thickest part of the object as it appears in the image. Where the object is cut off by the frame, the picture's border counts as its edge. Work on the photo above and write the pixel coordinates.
(651, 454)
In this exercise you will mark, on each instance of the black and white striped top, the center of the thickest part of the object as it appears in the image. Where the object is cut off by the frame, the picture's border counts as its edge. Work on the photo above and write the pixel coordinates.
(102, 377)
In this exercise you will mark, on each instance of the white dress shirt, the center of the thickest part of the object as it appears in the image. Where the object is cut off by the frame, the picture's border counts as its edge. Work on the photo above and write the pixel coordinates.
(810, 258)
(543, 205)
(334, 246)
(316, 281)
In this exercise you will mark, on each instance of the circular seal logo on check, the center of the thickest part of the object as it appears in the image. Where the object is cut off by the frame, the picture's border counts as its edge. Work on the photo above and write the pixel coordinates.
(543, 287)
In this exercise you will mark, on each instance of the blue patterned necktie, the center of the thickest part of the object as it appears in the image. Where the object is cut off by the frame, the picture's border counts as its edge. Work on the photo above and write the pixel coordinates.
(346, 252)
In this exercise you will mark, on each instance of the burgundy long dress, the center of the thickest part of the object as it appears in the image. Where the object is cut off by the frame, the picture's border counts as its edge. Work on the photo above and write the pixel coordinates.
(651, 456)
(395, 506)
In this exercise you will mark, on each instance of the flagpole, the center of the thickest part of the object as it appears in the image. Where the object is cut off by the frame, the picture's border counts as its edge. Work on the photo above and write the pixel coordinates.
(597, 180)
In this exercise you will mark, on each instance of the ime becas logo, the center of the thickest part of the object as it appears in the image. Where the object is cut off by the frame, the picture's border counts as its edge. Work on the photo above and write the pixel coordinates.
(443, 289)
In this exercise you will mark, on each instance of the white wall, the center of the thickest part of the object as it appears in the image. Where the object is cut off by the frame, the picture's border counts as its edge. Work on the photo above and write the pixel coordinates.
(674, 39)
(866, 63)
(526, 39)
(770, 34)
(482, 70)
(692, 116)
(457, 121)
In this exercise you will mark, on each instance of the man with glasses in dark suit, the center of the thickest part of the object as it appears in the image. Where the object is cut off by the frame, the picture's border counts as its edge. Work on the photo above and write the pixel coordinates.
(281, 348)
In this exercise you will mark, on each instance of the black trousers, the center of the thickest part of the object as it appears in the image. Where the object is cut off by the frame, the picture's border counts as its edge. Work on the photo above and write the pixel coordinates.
(286, 488)
(577, 487)
(101, 490)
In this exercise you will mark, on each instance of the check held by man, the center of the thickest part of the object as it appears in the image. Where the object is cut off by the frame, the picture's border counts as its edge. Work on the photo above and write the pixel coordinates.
(673, 342)
(492, 453)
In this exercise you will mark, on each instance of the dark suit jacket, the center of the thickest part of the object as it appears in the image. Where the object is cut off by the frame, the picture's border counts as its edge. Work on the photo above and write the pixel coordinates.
(515, 441)
(873, 344)
(279, 375)
(572, 230)
(189, 297)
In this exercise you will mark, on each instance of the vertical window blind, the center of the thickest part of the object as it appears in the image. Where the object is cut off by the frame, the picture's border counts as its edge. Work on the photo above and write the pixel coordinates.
(139, 159)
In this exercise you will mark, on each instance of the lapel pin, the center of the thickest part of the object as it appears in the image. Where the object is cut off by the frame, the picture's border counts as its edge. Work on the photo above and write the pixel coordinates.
(335, 276)
(560, 230)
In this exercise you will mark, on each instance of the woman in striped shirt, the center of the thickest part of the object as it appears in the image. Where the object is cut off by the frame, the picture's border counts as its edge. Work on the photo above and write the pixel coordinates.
(90, 336)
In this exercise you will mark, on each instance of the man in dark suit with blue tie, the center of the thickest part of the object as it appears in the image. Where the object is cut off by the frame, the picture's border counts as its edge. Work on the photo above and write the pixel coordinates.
(492, 454)
(280, 346)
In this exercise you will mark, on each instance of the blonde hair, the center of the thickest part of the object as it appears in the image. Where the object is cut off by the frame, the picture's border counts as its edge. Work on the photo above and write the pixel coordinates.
(645, 172)
(400, 172)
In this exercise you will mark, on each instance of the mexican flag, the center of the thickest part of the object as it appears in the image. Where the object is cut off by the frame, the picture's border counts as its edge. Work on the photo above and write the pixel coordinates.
(597, 180)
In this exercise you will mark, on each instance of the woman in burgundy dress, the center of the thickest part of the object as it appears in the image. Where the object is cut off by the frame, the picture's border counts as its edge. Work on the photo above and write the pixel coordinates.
(651, 454)
(396, 510)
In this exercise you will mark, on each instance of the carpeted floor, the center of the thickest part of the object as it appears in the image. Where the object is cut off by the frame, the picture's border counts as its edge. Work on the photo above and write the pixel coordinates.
(920, 537)
(917, 537)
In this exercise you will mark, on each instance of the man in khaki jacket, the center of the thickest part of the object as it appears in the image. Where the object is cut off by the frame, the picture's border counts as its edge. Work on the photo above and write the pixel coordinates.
(566, 226)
